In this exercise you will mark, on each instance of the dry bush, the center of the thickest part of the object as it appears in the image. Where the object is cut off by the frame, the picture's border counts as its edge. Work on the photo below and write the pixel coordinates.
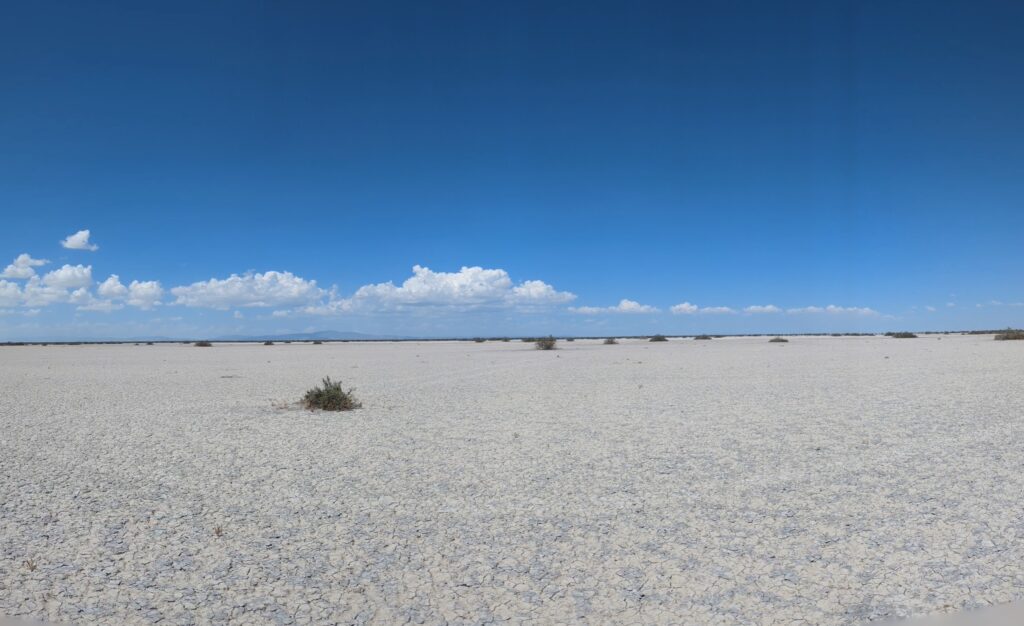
(546, 343)
(330, 397)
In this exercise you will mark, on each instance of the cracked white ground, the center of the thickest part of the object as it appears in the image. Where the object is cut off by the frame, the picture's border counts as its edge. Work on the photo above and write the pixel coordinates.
(823, 481)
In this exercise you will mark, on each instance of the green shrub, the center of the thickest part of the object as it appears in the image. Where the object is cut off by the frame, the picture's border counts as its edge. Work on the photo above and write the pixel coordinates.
(1010, 334)
(778, 340)
(703, 337)
(902, 335)
(658, 338)
(545, 343)
(330, 397)
(611, 341)
(202, 344)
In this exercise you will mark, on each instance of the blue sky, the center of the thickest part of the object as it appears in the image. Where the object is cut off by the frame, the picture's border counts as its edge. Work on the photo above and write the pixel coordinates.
(272, 167)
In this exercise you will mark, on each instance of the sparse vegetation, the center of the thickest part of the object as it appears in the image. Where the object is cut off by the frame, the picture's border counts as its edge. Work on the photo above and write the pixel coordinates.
(218, 532)
(778, 340)
(703, 337)
(149, 343)
(478, 339)
(658, 338)
(570, 339)
(611, 341)
(202, 344)
(1010, 334)
(268, 343)
(318, 343)
(30, 565)
(545, 343)
(902, 335)
(330, 397)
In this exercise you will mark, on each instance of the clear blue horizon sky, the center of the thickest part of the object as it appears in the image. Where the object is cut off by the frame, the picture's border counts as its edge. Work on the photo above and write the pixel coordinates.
(613, 167)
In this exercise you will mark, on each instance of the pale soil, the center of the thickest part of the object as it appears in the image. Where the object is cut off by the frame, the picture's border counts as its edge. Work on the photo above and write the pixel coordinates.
(730, 481)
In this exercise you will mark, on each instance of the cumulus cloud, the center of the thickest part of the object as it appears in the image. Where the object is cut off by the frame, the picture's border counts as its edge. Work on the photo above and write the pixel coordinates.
(79, 241)
(469, 288)
(269, 289)
(69, 277)
(38, 293)
(624, 306)
(140, 294)
(10, 293)
(145, 294)
(22, 267)
(103, 306)
(833, 309)
(112, 288)
(757, 308)
(684, 308)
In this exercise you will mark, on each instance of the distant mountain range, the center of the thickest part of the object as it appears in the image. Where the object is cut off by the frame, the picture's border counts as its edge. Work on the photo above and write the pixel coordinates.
(322, 335)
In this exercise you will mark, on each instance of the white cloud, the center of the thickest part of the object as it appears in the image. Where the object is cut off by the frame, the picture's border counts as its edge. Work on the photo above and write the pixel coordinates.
(469, 288)
(929, 308)
(10, 293)
(103, 306)
(21, 267)
(145, 294)
(717, 310)
(249, 290)
(79, 241)
(239, 315)
(767, 308)
(951, 304)
(624, 306)
(69, 277)
(38, 293)
(141, 294)
(112, 288)
(684, 308)
(836, 310)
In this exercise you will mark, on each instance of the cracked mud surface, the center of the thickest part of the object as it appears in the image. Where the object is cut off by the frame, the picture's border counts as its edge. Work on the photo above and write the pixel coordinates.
(823, 481)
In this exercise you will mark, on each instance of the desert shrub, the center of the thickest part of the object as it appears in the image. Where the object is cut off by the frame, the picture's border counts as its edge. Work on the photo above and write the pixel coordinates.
(330, 397)
(149, 343)
(545, 343)
(611, 341)
(1010, 334)
(529, 339)
(703, 337)
(268, 343)
(478, 339)
(658, 338)
(778, 340)
(202, 344)
(505, 339)
(902, 335)
(318, 343)
(570, 339)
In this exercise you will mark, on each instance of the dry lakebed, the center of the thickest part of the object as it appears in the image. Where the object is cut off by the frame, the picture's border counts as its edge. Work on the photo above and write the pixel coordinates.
(828, 480)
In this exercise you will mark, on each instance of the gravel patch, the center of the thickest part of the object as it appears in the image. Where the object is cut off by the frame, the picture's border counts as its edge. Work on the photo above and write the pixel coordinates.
(823, 481)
